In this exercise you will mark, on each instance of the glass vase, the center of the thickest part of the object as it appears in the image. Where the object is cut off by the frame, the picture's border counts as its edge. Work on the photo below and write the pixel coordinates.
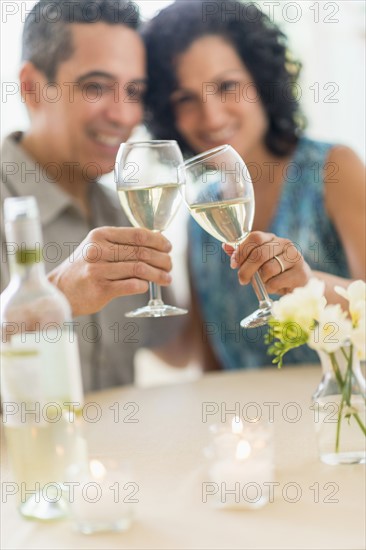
(339, 408)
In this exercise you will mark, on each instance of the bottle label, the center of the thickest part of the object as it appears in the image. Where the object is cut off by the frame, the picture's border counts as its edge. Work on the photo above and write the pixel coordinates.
(36, 372)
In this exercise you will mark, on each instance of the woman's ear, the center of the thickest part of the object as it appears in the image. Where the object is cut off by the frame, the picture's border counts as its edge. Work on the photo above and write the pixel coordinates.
(32, 82)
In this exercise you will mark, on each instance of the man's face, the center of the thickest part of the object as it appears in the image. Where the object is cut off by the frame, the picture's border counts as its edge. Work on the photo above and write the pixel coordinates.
(101, 89)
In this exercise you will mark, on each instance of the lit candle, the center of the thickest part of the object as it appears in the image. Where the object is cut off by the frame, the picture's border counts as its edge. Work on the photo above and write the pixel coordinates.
(226, 440)
(243, 464)
(98, 499)
(237, 425)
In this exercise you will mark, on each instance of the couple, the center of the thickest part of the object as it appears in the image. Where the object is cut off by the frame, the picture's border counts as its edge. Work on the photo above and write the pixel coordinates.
(85, 84)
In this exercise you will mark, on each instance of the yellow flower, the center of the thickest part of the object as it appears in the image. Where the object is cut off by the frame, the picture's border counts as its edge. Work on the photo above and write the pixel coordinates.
(356, 296)
(332, 330)
(302, 306)
(358, 338)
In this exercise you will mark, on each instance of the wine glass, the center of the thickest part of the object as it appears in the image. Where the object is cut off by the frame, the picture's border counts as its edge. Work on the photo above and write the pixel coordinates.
(219, 194)
(148, 185)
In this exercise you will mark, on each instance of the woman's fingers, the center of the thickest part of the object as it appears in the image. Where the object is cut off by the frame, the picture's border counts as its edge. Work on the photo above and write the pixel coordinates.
(277, 260)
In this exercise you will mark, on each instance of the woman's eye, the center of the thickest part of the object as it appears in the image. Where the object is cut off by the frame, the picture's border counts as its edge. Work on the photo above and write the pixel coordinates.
(182, 100)
(229, 85)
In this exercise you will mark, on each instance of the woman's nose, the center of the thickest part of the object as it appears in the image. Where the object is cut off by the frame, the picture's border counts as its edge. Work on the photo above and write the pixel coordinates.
(213, 110)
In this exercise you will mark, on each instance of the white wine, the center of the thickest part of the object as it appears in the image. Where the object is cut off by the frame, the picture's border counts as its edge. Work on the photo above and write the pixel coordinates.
(41, 452)
(150, 207)
(229, 221)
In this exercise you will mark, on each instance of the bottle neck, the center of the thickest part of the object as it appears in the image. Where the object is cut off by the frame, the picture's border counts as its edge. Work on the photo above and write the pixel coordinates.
(24, 247)
(29, 270)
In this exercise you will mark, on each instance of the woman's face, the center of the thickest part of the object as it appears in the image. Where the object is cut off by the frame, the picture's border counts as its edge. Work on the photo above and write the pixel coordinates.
(216, 101)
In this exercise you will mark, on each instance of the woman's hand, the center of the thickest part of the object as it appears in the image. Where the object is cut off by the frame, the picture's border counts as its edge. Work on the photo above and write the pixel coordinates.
(278, 261)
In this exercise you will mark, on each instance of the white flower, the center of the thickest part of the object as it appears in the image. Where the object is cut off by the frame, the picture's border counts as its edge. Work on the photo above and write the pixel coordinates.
(302, 306)
(332, 331)
(358, 338)
(356, 296)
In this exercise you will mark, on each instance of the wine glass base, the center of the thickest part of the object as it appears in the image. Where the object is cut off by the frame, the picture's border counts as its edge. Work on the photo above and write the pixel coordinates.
(36, 507)
(259, 318)
(157, 311)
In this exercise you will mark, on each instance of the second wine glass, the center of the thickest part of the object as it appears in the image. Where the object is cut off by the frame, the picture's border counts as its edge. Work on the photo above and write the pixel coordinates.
(148, 185)
(219, 194)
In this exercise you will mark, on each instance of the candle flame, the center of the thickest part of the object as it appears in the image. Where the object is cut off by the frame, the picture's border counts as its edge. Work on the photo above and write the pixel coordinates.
(97, 469)
(60, 450)
(243, 450)
(237, 425)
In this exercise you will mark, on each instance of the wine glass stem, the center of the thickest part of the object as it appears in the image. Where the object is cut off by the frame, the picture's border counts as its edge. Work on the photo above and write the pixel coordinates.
(155, 295)
(260, 291)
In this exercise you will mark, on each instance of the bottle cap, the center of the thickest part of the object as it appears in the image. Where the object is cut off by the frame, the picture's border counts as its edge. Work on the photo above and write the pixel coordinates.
(23, 229)
(16, 208)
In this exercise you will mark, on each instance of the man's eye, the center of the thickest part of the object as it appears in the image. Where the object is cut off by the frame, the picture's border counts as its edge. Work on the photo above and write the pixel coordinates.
(94, 88)
(135, 92)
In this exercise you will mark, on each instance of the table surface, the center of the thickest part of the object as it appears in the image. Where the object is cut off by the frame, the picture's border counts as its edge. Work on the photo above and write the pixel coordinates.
(166, 445)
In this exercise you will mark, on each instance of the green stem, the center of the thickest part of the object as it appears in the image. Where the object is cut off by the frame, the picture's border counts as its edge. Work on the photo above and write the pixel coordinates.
(339, 419)
(336, 371)
(345, 354)
(359, 422)
(345, 387)
(341, 384)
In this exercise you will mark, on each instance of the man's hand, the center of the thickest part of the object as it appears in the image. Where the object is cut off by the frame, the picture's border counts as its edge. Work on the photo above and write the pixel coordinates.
(279, 263)
(111, 262)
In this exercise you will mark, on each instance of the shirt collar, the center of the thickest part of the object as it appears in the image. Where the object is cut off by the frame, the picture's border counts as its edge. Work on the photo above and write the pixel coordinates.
(24, 176)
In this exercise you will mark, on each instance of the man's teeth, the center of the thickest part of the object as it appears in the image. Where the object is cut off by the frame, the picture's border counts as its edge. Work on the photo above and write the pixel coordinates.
(108, 140)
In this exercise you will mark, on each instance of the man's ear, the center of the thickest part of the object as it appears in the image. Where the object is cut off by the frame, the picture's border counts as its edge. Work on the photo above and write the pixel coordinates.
(32, 83)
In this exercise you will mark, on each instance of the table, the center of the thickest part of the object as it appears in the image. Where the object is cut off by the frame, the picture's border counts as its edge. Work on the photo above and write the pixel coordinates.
(166, 448)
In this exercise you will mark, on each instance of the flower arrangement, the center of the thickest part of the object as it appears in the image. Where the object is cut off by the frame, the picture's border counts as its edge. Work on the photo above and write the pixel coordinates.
(304, 317)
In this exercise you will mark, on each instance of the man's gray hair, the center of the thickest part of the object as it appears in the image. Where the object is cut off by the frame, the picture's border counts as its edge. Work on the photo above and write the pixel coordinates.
(47, 37)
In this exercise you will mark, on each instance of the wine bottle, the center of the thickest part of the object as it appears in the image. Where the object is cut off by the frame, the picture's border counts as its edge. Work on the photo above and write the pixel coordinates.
(41, 387)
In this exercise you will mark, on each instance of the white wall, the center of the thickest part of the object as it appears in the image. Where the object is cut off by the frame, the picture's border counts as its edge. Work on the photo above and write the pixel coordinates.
(329, 39)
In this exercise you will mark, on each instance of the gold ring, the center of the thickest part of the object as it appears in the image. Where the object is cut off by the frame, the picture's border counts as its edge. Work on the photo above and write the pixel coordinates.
(280, 263)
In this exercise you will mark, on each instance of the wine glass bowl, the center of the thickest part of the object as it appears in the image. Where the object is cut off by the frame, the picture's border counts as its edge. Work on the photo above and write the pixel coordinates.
(219, 194)
(221, 202)
(148, 185)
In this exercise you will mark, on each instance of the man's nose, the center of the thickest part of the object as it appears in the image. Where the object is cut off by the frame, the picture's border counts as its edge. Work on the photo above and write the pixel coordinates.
(124, 110)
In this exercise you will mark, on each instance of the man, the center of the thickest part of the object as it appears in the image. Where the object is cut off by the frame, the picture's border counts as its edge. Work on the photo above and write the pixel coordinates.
(83, 80)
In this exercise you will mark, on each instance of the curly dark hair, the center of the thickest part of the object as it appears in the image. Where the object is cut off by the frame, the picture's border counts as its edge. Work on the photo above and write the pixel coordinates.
(259, 43)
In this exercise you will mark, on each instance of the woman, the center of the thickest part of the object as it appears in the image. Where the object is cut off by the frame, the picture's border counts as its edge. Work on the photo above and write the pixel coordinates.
(220, 72)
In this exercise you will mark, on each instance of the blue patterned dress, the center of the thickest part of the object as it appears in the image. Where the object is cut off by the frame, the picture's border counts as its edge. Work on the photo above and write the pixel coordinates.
(302, 218)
